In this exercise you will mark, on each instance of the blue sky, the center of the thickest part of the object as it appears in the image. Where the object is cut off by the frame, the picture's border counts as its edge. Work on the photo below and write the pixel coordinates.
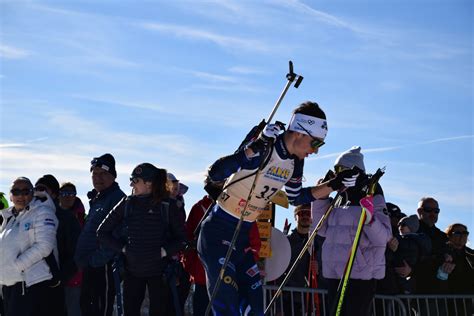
(179, 84)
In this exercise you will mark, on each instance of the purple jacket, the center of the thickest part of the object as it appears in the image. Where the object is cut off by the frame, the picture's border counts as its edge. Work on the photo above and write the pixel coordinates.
(340, 229)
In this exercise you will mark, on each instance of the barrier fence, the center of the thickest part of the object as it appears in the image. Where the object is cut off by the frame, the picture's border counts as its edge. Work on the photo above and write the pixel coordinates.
(314, 302)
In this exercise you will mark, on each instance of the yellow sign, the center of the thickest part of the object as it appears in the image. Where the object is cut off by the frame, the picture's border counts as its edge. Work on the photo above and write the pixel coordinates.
(281, 199)
(266, 213)
(264, 229)
(265, 249)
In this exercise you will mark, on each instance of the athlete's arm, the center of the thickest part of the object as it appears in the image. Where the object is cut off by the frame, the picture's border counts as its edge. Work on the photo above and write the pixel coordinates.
(228, 165)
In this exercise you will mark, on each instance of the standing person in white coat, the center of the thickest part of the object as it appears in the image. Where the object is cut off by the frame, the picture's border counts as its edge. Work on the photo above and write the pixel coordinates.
(27, 236)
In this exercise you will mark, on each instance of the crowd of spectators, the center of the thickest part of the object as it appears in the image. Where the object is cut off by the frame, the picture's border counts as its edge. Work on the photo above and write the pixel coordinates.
(57, 260)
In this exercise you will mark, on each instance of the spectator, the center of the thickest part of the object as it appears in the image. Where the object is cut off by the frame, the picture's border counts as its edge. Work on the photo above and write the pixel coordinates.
(426, 269)
(70, 203)
(192, 264)
(411, 246)
(307, 267)
(178, 277)
(388, 285)
(69, 200)
(66, 236)
(461, 278)
(27, 237)
(98, 287)
(151, 222)
(340, 228)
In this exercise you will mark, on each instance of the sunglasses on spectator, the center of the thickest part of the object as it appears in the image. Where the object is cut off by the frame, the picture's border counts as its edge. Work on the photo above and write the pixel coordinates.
(315, 143)
(460, 233)
(134, 180)
(431, 210)
(40, 188)
(304, 213)
(67, 193)
(17, 192)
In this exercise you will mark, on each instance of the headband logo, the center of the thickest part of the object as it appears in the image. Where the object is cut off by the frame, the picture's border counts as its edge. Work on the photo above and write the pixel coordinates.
(311, 122)
(138, 170)
(325, 125)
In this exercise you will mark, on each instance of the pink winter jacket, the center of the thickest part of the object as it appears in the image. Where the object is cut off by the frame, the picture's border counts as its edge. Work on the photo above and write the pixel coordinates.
(340, 229)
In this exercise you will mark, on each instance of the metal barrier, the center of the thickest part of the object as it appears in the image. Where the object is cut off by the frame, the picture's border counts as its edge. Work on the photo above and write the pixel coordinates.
(314, 302)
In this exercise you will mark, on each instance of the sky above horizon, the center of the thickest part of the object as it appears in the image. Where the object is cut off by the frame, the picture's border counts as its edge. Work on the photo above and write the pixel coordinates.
(180, 83)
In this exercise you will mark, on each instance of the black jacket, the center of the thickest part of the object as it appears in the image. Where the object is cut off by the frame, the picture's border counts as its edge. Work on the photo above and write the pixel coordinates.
(425, 270)
(145, 232)
(68, 232)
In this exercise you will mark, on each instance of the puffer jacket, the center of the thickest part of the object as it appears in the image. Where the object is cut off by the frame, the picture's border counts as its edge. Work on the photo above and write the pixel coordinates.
(25, 240)
(145, 233)
(88, 251)
(340, 229)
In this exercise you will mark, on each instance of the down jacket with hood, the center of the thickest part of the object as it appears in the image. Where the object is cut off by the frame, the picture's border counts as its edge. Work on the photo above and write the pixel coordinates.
(340, 228)
(25, 240)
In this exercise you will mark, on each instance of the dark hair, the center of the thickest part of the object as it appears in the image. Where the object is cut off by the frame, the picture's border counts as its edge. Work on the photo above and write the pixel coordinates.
(67, 185)
(160, 188)
(310, 108)
(302, 206)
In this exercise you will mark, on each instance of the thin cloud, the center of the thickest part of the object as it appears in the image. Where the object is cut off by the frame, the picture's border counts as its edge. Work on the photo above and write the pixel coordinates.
(213, 77)
(193, 33)
(10, 52)
(12, 145)
(321, 16)
(246, 70)
(392, 148)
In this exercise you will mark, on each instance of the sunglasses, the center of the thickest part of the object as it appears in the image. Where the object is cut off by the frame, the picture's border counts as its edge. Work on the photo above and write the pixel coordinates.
(304, 213)
(315, 143)
(460, 233)
(67, 193)
(431, 210)
(339, 168)
(40, 189)
(134, 180)
(17, 192)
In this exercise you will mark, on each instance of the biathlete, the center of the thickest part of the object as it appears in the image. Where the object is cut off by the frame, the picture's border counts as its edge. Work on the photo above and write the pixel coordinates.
(283, 155)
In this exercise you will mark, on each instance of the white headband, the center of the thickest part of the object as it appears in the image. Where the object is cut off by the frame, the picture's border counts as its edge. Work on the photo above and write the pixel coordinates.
(315, 126)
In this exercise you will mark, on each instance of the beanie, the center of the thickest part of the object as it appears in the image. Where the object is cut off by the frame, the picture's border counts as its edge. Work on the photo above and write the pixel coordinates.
(394, 210)
(145, 170)
(411, 222)
(350, 158)
(49, 181)
(106, 162)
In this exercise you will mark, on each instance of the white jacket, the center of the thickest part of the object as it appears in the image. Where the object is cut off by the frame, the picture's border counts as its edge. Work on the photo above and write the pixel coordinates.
(25, 241)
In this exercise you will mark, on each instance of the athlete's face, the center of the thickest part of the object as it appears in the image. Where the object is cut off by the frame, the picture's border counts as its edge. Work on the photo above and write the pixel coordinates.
(303, 146)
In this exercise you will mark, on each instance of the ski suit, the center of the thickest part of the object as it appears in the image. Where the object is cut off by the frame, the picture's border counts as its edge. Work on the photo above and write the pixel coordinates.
(242, 277)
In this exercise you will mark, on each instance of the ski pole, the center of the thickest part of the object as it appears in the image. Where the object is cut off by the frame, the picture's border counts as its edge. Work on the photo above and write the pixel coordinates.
(291, 76)
(337, 200)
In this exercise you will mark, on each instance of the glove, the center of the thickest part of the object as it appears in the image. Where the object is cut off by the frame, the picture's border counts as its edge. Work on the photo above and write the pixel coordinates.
(269, 134)
(367, 207)
(344, 179)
